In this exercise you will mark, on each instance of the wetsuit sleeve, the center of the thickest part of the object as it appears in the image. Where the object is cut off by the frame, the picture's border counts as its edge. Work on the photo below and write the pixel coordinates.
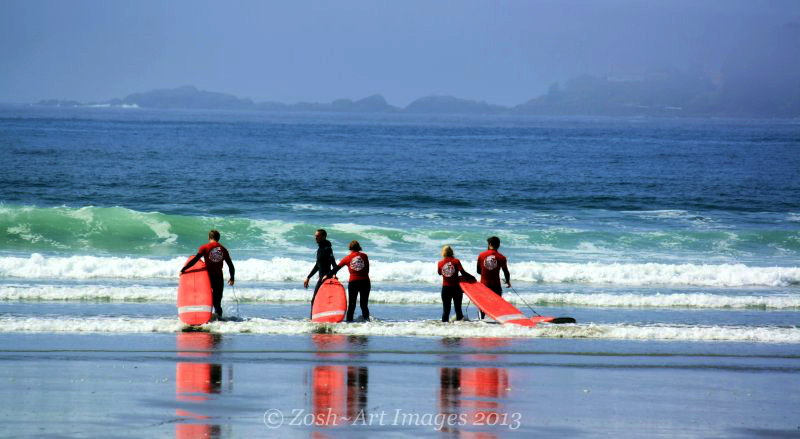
(331, 258)
(505, 271)
(339, 266)
(478, 266)
(228, 261)
(313, 270)
(464, 272)
(439, 268)
(192, 262)
(461, 269)
(335, 270)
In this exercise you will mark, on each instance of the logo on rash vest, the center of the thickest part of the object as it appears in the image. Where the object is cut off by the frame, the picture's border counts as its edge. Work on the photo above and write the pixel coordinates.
(490, 262)
(448, 270)
(215, 255)
(357, 264)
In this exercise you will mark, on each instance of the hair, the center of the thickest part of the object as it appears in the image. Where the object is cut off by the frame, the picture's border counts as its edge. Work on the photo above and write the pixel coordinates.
(354, 246)
(322, 232)
(494, 242)
(213, 234)
(447, 251)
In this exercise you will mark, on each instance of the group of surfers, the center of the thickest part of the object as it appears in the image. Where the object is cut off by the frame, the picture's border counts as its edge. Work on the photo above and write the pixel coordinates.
(489, 265)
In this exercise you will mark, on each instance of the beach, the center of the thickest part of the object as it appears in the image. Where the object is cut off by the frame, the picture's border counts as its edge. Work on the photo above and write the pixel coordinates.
(81, 385)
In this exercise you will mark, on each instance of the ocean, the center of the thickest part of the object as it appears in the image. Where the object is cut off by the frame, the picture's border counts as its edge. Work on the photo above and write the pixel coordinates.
(675, 243)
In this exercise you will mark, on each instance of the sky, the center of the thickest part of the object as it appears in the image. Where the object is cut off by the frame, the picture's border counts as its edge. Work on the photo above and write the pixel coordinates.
(502, 52)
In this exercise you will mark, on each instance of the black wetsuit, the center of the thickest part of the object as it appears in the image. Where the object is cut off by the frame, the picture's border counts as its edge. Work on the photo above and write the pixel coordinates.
(358, 289)
(451, 293)
(325, 264)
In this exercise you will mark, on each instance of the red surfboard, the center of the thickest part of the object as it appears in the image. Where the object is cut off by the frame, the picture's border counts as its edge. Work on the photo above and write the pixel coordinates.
(194, 383)
(194, 295)
(497, 307)
(330, 305)
(328, 394)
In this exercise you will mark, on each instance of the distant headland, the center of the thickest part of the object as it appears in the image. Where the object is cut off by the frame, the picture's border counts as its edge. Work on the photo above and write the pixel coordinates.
(668, 93)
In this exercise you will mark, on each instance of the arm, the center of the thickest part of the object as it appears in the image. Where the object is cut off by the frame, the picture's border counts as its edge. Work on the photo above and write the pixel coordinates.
(331, 259)
(506, 274)
(464, 272)
(231, 268)
(335, 270)
(478, 266)
(313, 271)
(192, 262)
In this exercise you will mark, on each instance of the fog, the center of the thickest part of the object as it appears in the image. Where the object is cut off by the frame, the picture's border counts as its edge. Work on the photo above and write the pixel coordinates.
(501, 52)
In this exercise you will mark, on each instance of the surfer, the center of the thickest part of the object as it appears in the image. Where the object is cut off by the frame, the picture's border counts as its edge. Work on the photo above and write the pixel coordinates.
(214, 254)
(325, 262)
(448, 268)
(358, 264)
(490, 263)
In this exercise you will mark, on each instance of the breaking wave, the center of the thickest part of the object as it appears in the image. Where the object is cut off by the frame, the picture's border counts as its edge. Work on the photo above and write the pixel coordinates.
(766, 334)
(281, 269)
(145, 293)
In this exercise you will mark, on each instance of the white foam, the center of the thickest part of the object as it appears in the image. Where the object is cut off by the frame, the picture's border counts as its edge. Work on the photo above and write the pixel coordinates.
(293, 270)
(663, 213)
(675, 300)
(274, 232)
(23, 231)
(372, 233)
(142, 293)
(160, 228)
(721, 275)
(85, 214)
(766, 334)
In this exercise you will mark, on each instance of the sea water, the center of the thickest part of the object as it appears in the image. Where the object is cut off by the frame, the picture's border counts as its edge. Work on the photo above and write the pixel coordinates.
(673, 242)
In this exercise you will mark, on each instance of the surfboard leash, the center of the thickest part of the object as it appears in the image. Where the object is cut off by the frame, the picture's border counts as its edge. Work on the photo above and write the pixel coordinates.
(523, 301)
(477, 310)
(235, 297)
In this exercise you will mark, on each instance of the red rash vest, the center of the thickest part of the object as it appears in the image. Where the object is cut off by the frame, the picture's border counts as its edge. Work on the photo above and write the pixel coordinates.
(490, 263)
(358, 265)
(449, 269)
(213, 255)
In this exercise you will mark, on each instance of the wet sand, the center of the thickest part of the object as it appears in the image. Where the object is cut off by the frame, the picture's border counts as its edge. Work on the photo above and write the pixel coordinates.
(327, 385)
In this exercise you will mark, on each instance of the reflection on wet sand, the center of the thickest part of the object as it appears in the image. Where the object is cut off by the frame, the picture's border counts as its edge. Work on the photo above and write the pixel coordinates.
(194, 383)
(338, 393)
(474, 395)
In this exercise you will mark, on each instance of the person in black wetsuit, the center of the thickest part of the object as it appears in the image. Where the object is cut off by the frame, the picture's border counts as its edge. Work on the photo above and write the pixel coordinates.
(214, 254)
(325, 261)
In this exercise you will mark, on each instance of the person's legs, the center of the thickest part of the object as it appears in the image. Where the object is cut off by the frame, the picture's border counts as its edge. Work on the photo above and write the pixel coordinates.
(352, 294)
(498, 289)
(364, 291)
(457, 296)
(445, 304)
(217, 285)
(316, 289)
